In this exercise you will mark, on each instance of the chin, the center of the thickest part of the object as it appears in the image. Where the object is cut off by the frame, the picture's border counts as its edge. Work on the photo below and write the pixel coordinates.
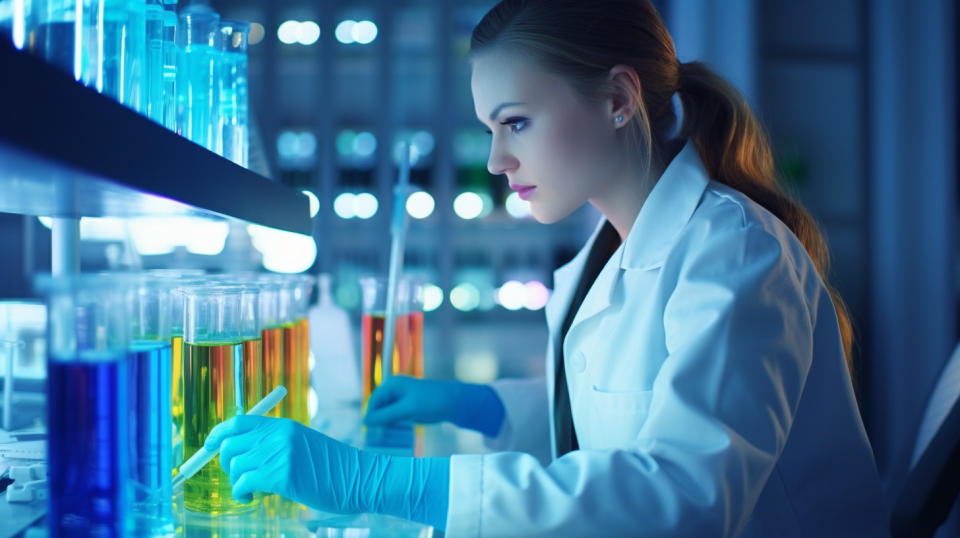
(549, 215)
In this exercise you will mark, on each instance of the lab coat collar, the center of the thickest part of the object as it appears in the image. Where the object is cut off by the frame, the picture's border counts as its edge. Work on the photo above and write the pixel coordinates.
(666, 211)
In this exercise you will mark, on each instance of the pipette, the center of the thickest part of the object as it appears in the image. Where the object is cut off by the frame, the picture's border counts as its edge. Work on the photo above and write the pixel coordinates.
(398, 231)
(203, 456)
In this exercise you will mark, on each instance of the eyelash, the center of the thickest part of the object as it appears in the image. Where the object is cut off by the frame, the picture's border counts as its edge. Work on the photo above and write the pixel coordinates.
(516, 124)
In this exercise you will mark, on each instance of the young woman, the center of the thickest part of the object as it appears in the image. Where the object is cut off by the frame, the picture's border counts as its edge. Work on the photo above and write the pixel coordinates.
(697, 371)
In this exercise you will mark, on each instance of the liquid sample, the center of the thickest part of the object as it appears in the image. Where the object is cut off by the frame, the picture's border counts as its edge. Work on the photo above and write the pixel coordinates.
(292, 372)
(213, 392)
(197, 95)
(273, 364)
(88, 453)
(176, 401)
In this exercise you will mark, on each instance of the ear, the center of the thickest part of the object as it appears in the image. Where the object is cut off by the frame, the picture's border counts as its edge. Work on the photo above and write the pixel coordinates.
(625, 91)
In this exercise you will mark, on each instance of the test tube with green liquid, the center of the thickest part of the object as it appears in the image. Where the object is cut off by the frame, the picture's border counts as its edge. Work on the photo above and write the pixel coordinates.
(222, 377)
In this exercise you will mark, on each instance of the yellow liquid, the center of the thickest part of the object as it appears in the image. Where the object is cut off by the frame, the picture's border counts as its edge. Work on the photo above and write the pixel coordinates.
(291, 371)
(303, 411)
(216, 387)
(176, 402)
(273, 364)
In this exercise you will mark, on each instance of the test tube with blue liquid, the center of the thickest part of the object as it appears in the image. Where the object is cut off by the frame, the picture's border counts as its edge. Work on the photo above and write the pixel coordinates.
(197, 76)
(153, 101)
(149, 372)
(232, 45)
(64, 33)
(87, 404)
(170, 54)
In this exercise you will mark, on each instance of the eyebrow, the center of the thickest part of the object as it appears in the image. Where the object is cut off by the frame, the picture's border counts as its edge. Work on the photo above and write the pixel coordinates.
(501, 106)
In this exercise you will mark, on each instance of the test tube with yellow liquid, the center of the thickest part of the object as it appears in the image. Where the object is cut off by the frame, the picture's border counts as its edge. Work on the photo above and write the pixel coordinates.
(222, 377)
(301, 286)
(272, 335)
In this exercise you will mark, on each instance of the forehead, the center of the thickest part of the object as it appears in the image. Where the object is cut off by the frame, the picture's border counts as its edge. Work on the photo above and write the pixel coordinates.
(500, 76)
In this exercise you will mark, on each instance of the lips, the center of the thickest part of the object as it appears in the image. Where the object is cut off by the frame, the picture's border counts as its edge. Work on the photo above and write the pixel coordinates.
(523, 191)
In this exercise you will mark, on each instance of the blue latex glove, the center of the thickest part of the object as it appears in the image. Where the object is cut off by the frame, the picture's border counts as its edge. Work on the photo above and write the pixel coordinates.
(407, 399)
(285, 457)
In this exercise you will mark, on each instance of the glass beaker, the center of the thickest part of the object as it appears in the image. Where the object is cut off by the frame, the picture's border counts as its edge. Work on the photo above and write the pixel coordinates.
(232, 131)
(221, 379)
(87, 404)
(407, 356)
(149, 382)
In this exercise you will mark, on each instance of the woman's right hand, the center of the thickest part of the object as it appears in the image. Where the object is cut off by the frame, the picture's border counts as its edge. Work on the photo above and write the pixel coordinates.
(407, 399)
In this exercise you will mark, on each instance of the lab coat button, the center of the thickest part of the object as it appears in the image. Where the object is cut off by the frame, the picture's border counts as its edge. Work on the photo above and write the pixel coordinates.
(578, 363)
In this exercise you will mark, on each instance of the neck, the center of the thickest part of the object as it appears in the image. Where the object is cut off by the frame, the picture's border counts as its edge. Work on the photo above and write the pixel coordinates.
(621, 202)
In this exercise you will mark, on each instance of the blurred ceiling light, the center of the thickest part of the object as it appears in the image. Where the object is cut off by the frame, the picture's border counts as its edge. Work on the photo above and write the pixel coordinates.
(465, 297)
(364, 32)
(257, 33)
(468, 205)
(537, 295)
(423, 141)
(432, 297)
(283, 252)
(308, 32)
(306, 144)
(365, 205)
(346, 142)
(512, 295)
(343, 205)
(314, 202)
(288, 32)
(517, 207)
(476, 366)
(364, 144)
(420, 205)
(344, 31)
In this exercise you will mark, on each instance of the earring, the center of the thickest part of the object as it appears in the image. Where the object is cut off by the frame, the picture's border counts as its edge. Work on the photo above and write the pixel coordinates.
(619, 119)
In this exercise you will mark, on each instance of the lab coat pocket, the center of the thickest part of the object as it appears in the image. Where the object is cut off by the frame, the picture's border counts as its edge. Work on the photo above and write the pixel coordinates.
(618, 416)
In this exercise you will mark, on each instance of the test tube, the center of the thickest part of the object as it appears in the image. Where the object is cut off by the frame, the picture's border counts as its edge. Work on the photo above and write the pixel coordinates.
(169, 48)
(197, 74)
(303, 285)
(272, 333)
(153, 100)
(87, 404)
(222, 354)
(63, 32)
(149, 372)
(232, 40)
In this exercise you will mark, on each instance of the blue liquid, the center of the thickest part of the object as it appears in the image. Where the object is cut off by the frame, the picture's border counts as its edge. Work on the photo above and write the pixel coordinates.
(149, 374)
(87, 401)
(169, 70)
(155, 65)
(233, 107)
(196, 94)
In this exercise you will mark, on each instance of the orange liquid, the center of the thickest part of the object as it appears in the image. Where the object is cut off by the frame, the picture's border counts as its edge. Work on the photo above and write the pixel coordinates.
(407, 356)
(303, 411)
(273, 364)
(292, 372)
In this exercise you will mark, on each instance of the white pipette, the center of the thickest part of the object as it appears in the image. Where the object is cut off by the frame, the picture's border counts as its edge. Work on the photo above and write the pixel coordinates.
(398, 231)
(203, 456)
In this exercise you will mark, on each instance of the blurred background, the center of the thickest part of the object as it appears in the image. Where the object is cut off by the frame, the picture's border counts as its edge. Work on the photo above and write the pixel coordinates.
(859, 97)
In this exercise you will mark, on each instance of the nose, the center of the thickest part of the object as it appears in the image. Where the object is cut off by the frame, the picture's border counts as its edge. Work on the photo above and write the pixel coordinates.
(501, 160)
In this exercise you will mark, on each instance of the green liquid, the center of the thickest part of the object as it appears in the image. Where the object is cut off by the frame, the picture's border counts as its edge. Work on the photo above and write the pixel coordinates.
(220, 381)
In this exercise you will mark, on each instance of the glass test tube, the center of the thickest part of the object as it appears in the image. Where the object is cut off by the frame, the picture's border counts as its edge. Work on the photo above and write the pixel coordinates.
(303, 285)
(169, 50)
(87, 404)
(197, 74)
(63, 32)
(232, 46)
(154, 71)
(272, 332)
(149, 381)
(221, 379)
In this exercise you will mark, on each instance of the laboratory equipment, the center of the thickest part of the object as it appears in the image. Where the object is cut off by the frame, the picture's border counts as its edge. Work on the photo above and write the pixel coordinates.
(154, 71)
(221, 378)
(88, 403)
(232, 130)
(149, 383)
(299, 359)
(336, 373)
(170, 54)
(197, 94)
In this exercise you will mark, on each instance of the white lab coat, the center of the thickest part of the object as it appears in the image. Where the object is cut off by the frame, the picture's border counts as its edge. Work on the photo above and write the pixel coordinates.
(708, 391)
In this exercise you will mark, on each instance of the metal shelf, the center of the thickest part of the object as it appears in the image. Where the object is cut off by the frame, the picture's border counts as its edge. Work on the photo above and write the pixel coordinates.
(67, 151)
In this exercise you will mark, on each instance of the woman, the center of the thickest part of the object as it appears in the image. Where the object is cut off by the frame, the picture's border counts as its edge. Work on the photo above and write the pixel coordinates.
(697, 376)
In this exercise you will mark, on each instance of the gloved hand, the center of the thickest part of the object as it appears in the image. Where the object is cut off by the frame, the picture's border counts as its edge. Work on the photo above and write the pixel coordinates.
(407, 399)
(285, 457)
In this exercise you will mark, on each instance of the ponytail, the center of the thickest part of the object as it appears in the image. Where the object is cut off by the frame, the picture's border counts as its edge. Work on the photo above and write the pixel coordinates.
(735, 151)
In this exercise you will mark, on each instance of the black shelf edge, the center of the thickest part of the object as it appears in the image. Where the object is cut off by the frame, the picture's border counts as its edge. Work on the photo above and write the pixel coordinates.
(67, 151)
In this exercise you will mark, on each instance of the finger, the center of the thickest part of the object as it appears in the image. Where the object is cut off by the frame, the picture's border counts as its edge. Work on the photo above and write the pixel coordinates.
(243, 463)
(234, 426)
(246, 485)
(388, 392)
(402, 410)
(218, 434)
(233, 447)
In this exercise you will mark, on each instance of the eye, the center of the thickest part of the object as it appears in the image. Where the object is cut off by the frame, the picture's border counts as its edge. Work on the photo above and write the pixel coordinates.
(515, 123)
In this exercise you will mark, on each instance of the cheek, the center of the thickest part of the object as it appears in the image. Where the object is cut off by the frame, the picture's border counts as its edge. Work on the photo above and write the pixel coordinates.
(574, 149)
